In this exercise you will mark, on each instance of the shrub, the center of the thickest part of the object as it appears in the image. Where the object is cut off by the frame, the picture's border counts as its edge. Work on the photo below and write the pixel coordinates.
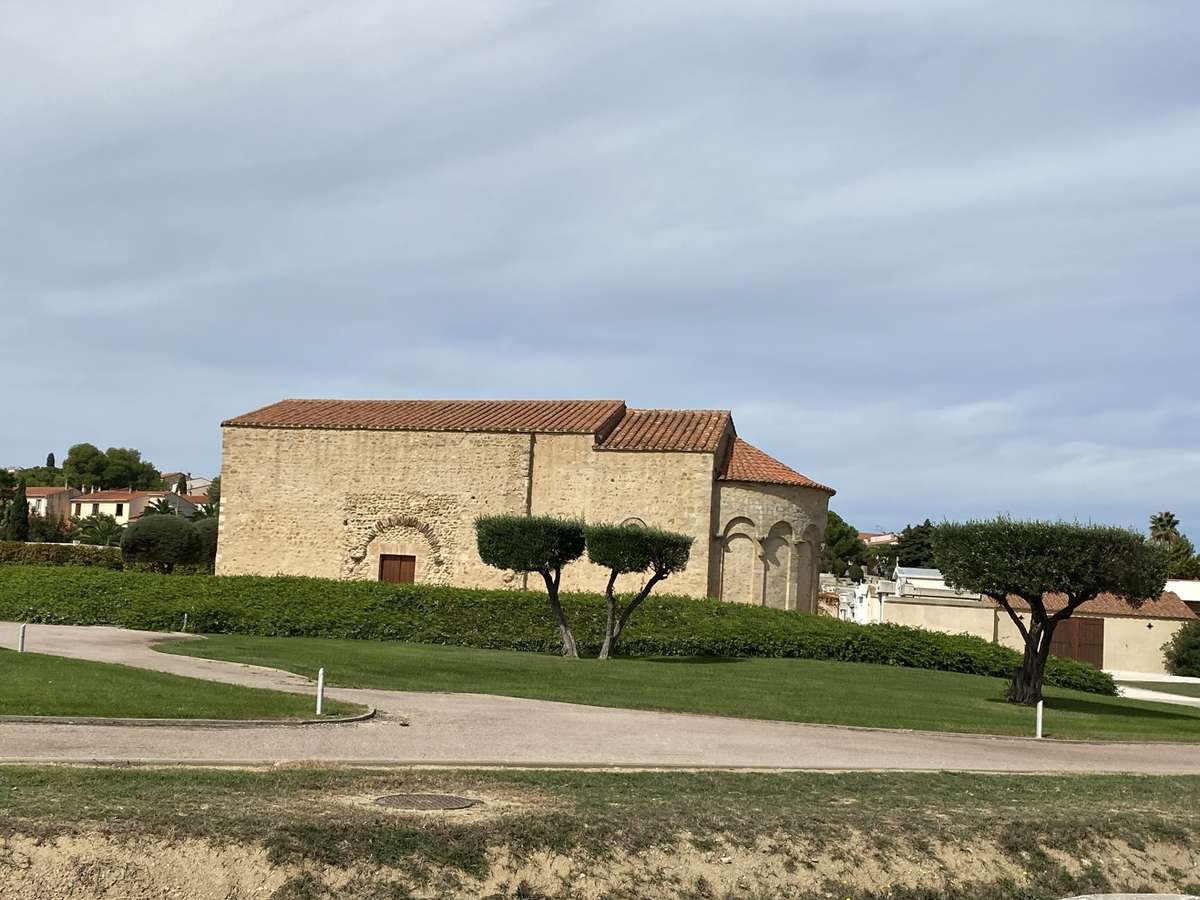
(1182, 651)
(15, 553)
(161, 542)
(206, 531)
(496, 619)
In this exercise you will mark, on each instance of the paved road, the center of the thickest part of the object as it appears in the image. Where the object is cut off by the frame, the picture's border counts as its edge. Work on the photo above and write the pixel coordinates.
(477, 729)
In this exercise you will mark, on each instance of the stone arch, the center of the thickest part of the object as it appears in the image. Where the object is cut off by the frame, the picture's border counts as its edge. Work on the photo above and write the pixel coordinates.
(778, 551)
(404, 534)
(740, 525)
(739, 562)
(634, 520)
(808, 550)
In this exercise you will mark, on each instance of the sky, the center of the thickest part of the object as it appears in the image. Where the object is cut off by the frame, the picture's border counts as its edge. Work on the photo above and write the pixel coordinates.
(943, 256)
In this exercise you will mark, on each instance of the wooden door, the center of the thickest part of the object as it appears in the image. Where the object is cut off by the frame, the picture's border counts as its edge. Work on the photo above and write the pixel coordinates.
(1081, 639)
(397, 569)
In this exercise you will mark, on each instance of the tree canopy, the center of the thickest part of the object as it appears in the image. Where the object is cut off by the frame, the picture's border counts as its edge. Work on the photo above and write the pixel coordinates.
(541, 544)
(161, 542)
(1182, 561)
(915, 546)
(16, 520)
(1005, 558)
(624, 549)
(1164, 526)
(844, 550)
(116, 467)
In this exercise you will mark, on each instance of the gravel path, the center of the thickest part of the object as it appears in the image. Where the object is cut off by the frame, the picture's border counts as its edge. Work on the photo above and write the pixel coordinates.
(474, 729)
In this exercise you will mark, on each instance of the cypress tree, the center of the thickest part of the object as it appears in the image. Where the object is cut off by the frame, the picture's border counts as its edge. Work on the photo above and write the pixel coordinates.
(17, 527)
(181, 485)
(50, 460)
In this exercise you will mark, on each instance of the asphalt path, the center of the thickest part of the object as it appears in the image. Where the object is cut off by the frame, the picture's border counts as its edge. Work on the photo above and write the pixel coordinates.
(418, 728)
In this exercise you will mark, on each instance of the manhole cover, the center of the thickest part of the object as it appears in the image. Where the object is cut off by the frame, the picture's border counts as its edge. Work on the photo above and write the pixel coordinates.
(425, 801)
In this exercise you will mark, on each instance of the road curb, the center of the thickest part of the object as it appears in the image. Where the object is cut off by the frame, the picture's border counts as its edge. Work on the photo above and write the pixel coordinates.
(187, 723)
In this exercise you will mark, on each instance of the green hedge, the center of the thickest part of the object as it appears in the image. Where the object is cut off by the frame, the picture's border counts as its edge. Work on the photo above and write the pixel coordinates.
(508, 620)
(16, 553)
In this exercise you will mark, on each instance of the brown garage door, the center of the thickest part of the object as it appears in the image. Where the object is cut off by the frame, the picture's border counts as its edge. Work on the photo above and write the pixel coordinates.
(1081, 639)
(397, 569)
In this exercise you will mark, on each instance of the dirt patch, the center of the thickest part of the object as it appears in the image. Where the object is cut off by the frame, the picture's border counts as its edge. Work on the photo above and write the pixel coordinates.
(97, 866)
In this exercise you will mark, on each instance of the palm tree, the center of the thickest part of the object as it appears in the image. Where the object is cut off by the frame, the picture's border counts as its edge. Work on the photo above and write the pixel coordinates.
(205, 511)
(99, 529)
(1164, 526)
(160, 507)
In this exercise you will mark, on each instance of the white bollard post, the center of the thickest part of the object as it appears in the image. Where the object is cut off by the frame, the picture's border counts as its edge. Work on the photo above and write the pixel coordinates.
(320, 691)
(21, 640)
(1039, 717)
(185, 621)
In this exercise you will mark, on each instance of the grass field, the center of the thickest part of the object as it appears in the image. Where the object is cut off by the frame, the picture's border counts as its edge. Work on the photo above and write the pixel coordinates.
(783, 689)
(631, 834)
(1167, 687)
(35, 684)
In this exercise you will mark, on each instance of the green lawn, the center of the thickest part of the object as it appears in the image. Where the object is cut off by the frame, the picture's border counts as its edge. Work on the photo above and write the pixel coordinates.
(35, 684)
(784, 689)
(1166, 687)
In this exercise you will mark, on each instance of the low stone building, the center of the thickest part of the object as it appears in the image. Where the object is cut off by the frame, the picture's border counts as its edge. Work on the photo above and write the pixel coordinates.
(374, 489)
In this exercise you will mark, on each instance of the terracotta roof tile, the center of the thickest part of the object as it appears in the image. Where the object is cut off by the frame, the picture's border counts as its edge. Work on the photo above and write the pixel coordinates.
(115, 496)
(696, 430)
(523, 416)
(747, 463)
(44, 491)
(1166, 606)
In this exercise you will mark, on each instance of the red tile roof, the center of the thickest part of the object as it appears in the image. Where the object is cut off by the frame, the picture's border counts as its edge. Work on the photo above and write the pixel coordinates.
(523, 416)
(696, 430)
(1166, 606)
(197, 499)
(44, 491)
(115, 496)
(614, 426)
(747, 463)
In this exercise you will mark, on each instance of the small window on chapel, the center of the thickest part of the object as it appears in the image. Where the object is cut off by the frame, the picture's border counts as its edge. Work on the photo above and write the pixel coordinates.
(120, 509)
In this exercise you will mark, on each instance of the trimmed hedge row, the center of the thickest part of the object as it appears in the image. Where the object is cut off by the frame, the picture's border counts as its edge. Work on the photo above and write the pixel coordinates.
(496, 619)
(17, 553)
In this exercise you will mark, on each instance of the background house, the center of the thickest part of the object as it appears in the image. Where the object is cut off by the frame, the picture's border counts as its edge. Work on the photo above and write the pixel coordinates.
(1106, 632)
(126, 505)
(51, 502)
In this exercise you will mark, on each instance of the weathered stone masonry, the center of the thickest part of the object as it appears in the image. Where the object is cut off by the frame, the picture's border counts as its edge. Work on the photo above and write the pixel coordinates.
(324, 488)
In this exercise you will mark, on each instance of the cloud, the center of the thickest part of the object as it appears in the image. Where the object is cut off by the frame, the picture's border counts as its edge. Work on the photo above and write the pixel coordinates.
(939, 254)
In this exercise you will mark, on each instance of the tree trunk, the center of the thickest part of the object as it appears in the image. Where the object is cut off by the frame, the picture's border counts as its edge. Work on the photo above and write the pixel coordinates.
(611, 621)
(1026, 685)
(612, 632)
(564, 630)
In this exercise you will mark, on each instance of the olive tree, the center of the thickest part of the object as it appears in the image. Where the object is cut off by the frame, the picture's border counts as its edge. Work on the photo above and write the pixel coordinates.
(623, 549)
(1005, 559)
(541, 544)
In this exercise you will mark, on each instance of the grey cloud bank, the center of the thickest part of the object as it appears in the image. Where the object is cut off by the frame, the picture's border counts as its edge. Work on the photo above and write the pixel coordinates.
(939, 255)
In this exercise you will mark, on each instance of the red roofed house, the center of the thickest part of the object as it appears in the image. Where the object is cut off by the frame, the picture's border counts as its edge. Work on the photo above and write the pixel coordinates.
(125, 505)
(1106, 632)
(390, 490)
(51, 502)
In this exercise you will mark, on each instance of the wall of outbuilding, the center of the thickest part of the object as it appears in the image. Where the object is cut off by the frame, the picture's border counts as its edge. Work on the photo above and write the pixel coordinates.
(326, 502)
(670, 490)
